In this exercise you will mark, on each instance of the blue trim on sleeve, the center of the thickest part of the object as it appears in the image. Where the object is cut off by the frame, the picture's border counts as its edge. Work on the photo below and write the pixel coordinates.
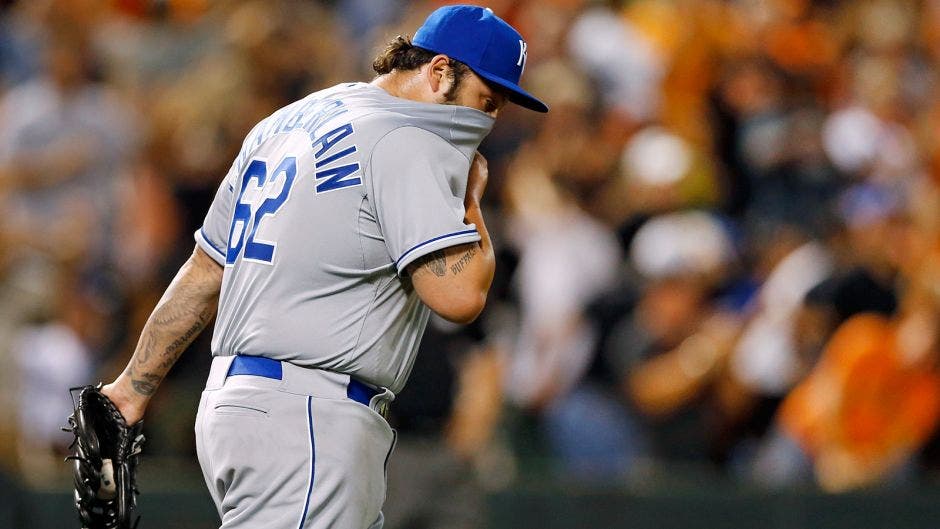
(429, 241)
(202, 232)
(313, 459)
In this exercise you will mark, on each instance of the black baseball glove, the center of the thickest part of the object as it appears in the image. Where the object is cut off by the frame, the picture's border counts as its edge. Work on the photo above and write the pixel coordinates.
(104, 461)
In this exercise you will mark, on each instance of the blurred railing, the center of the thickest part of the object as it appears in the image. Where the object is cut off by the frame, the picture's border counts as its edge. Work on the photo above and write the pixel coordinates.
(713, 509)
(175, 497)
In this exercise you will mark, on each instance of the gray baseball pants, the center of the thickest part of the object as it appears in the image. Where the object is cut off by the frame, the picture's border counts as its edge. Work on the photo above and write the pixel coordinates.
(294, 453)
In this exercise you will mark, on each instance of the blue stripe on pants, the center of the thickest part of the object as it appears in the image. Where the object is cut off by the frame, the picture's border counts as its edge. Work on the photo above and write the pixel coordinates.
(303, 516)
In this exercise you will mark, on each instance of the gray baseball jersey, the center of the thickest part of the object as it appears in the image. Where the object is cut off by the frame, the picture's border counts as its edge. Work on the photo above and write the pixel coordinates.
(325, 206)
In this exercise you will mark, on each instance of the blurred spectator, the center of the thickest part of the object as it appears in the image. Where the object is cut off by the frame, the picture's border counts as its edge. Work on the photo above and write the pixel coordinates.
(66, 140)
(64, 143)
(52, 356)
(565, 260)
(664, 172)
(445, 420)
(621, 59)
(871, 402)
(768, 357)
(781, 338)
(668, 351)
(555, 283)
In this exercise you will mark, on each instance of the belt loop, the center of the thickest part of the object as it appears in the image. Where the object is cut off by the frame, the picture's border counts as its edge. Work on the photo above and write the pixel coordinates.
(380, 401)
(218, 371)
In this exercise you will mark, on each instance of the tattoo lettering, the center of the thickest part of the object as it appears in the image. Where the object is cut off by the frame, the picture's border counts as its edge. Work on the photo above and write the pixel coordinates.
(172, 351)
(437, 263)
(464, 260)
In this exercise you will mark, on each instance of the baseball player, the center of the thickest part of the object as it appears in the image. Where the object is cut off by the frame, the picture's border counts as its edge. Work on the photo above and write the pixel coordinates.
(346, 217)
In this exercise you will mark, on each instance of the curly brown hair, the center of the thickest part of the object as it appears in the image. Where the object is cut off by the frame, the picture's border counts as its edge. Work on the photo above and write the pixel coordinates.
(400, 54)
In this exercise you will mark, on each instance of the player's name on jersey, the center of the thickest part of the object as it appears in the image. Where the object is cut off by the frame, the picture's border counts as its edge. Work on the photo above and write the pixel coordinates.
(335, 169)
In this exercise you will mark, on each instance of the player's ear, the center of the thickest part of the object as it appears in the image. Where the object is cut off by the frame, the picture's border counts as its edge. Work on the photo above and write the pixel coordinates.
(437, 74)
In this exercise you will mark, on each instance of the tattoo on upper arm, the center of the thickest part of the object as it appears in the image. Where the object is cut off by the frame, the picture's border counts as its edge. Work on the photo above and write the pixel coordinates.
(464, 260)
(437, 263)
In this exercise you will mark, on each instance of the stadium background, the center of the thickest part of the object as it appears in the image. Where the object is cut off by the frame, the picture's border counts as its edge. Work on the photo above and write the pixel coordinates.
(717, 295)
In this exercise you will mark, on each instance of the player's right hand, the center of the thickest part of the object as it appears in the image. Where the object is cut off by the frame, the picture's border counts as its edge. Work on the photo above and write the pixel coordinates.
(476, 181)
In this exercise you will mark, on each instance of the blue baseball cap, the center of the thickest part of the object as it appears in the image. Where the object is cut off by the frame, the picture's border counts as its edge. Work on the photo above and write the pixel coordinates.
(486, 43)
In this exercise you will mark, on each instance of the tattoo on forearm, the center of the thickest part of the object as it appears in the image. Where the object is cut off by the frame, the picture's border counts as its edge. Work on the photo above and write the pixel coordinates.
(147, 384)
(437, 263)
(178, 319)
(145, 350)
(172, 351)
(464, 260)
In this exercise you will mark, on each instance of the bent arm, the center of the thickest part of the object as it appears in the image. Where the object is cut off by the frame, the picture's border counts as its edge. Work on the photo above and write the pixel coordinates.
(185, 309)
(664, 384)
(454, 281)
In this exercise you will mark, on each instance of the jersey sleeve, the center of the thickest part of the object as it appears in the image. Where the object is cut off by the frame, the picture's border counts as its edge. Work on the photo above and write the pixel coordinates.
(212, 237)
(418, 186)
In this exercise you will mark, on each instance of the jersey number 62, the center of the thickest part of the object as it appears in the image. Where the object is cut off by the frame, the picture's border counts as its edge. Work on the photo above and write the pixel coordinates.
(254, 204)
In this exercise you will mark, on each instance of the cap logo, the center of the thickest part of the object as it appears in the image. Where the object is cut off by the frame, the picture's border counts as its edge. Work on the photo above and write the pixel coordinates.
(522, 53)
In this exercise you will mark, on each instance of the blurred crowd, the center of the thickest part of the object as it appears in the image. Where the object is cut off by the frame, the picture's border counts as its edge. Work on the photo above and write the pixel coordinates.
(719, 252)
